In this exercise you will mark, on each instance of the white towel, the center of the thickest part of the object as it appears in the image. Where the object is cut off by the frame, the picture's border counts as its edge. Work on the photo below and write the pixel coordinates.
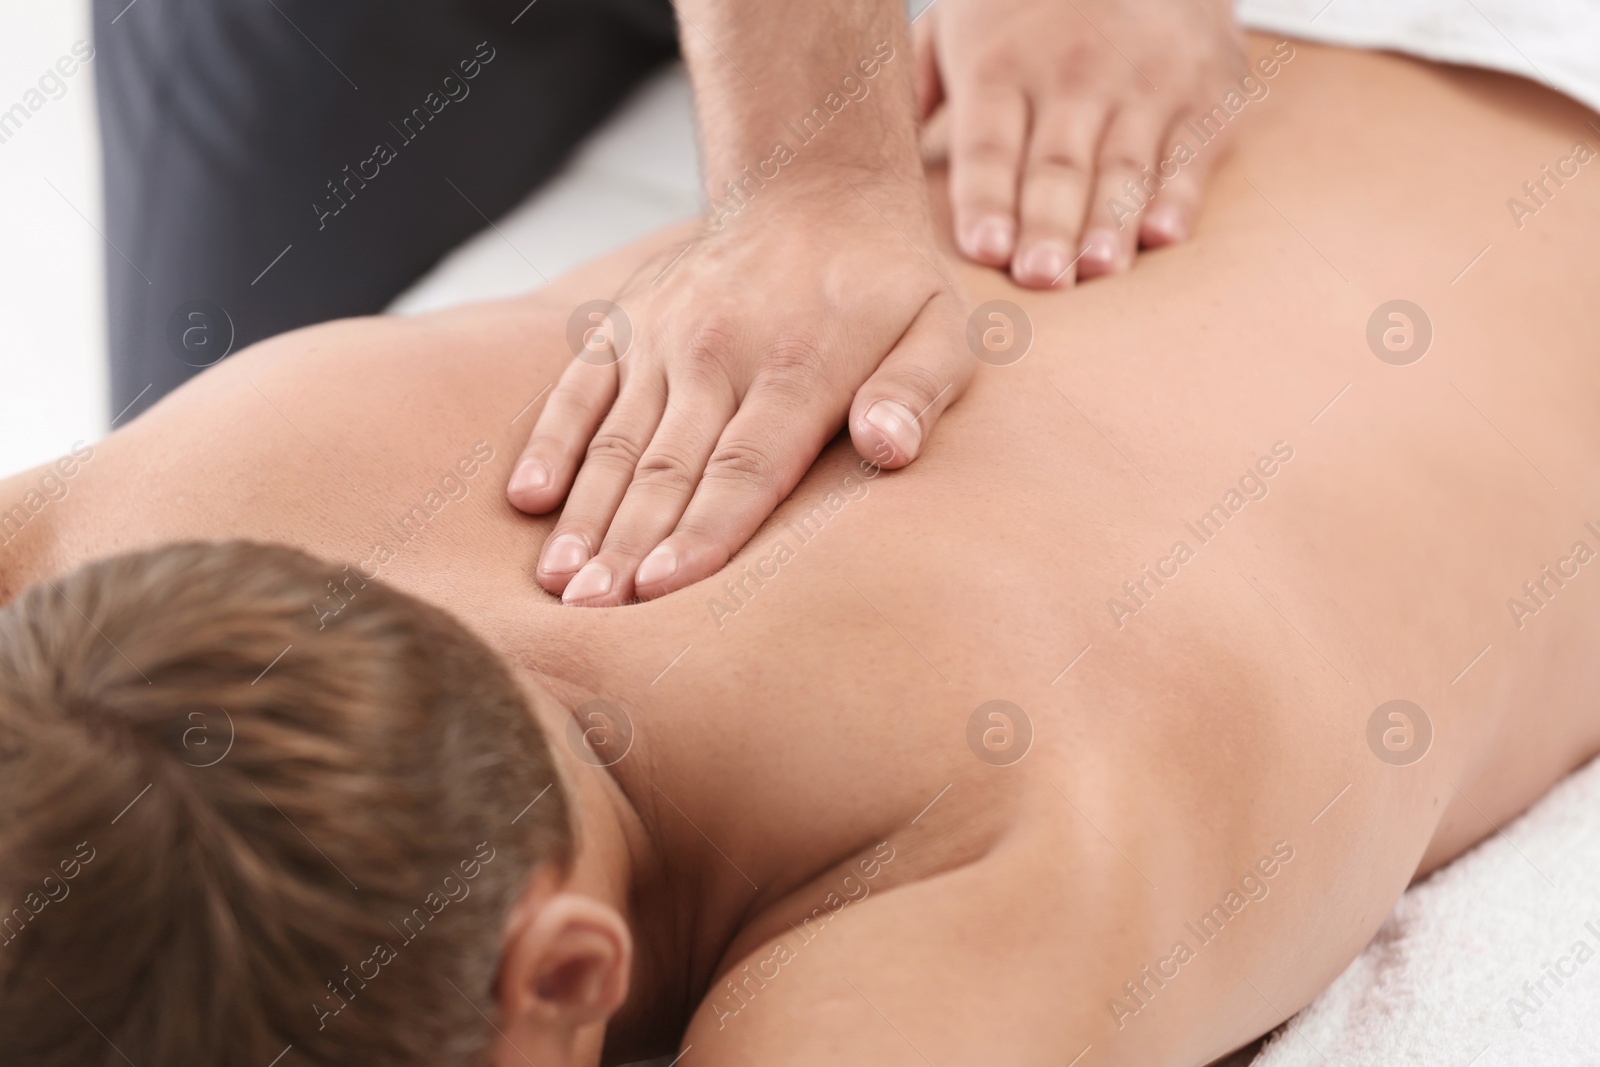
(1555, 42)
(1492, 961)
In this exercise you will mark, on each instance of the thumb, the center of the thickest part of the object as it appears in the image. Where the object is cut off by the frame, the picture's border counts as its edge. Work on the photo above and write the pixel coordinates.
(894, 412)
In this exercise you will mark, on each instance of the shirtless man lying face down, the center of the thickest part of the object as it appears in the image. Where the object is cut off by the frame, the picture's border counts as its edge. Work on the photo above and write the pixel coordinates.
(1074, 740)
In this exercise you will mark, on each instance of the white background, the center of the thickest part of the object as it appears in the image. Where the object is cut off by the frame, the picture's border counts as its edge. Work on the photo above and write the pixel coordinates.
(52, 336)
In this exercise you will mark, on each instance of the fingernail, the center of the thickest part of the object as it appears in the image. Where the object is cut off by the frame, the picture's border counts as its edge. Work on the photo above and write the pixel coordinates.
(594, 580)
(1042, 264)
(530, 475)
(896, 422)
(990, 239)
(1165, 222)
(564, 555)
(662, 563)
(1100, 249)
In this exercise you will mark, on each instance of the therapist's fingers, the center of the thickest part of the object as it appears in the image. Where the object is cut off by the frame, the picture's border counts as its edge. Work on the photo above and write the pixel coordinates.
(1124, 173)
(779, 430)
(1170, 218)
(662, 486)
(1055, 191)
(608, 467)
(894, 412)
(987, 126)
(580, 399)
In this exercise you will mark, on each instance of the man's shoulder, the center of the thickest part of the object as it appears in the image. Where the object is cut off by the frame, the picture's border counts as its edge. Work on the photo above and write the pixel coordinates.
(31, 503)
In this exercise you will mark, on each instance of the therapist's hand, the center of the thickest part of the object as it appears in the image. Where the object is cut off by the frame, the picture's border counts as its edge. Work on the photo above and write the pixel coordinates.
(1054, 105)
(824, 296)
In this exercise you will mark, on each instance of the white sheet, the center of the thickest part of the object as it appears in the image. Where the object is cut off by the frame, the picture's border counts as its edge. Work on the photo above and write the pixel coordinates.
(1556, 42)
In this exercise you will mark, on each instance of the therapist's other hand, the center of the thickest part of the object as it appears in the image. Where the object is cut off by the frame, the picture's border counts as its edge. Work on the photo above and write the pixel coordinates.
(824, 295)
(1055, 105)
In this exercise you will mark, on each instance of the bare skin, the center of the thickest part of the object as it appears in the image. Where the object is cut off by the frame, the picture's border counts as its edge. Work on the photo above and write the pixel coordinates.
(775, 753)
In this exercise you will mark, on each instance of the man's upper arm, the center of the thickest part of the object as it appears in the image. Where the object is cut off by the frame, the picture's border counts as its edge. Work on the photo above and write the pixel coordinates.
(923, 973)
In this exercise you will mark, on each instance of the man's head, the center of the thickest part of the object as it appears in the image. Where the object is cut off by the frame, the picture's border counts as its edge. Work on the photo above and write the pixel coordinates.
(230, 823)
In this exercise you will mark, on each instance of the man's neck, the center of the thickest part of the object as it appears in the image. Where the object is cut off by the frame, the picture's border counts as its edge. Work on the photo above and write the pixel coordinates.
(26, 533)
(630, 856)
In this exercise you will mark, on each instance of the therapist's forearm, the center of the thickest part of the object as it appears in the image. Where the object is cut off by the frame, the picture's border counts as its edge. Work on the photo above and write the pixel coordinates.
(812, 86)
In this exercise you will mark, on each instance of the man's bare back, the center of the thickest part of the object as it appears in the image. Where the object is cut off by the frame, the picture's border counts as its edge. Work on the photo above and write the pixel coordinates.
(1193, 540)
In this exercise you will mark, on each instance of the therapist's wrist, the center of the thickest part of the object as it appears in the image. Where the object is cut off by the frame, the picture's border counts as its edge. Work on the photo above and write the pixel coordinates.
(811, 188)
(855, 115)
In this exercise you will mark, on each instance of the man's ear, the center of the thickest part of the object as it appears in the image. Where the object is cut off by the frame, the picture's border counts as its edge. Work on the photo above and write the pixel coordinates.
(564, 971)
